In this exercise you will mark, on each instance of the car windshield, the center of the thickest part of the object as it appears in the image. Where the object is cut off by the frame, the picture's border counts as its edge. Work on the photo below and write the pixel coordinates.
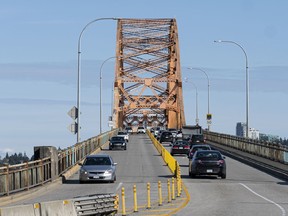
(183, 142)
(121, 133)
(117, 138)
(208, 155)
(97, 161)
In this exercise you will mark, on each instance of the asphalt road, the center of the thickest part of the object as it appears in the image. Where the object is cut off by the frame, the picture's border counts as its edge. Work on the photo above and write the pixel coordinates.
(246, 191)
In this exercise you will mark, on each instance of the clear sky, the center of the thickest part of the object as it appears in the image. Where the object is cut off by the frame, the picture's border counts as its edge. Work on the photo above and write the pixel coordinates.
(38, 64)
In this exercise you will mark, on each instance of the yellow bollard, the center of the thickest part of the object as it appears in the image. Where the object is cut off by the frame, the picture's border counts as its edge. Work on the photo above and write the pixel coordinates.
(123, 202)
(135, 199)
(169, 190)
(178, 187)
(173, 188)
(148, 196)
(116, 202)
(160, 193)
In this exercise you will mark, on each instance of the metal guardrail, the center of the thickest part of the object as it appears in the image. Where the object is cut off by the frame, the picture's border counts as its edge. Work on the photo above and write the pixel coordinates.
(101, 204)
(21, 177)
(272, 151)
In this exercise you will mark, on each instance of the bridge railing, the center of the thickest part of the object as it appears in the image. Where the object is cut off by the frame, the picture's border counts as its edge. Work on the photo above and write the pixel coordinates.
(272, 151)
(21, 177)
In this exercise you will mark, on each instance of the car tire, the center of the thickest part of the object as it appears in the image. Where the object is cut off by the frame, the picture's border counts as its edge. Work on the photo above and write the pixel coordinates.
(81, 182)
(223, 175)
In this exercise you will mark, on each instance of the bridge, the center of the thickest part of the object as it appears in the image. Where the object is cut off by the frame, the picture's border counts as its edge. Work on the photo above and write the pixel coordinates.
(148, 91)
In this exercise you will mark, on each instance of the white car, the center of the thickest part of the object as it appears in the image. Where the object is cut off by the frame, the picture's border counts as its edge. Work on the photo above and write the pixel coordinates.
(141, 130)
(124, 134)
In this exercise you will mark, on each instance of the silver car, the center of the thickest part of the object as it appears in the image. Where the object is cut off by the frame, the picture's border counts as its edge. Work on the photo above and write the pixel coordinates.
(100, 167)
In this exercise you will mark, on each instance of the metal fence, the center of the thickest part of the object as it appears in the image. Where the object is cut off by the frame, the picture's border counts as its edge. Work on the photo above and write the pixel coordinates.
(272, 151)
(20, 177)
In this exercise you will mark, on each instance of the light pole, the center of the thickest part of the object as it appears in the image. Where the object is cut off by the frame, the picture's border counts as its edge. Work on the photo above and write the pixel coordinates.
(79, 73)
(197, 119)
(247, 82)
(208, 111)
(101, 91)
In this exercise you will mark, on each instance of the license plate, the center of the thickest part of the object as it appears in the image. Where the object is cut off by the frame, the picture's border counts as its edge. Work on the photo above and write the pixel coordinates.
(209, 170)
(96, 177)
(180, 147)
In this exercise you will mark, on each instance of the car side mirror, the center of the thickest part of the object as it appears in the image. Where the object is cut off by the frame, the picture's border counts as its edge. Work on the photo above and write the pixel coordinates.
(80, 164)
(224, 157)
(114, 164)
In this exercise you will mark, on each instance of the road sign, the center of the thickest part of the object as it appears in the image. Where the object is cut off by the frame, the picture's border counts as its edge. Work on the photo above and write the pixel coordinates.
(209, 116)
(73, 113)
(73, 128)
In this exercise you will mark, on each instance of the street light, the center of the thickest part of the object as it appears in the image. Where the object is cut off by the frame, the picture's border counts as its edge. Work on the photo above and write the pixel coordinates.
(197, 119)
(79, 73)
(247, 82)
(208, 112)
(101, 91)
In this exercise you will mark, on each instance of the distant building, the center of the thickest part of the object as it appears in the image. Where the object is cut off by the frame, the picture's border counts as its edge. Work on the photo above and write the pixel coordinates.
(269, 137)
(254, 134)
(241, 129)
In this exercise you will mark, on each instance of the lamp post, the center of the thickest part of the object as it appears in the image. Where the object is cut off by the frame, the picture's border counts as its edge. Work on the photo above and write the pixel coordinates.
(208, 81)
(197, 119)
(247, 82)
(100, 78)
(79, 73)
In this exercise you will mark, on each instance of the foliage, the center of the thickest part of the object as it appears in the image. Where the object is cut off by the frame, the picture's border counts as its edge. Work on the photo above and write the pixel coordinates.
(14, 158)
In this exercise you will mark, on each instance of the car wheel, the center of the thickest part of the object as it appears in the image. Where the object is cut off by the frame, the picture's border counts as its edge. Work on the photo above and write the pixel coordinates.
(223, 176)
(81, 182)
(110, 148)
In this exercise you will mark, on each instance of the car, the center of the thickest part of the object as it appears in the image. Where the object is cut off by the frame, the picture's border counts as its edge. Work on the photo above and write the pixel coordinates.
(99, 167)
(207, 162)
(196, 139)
(156, 131)
(174, 131)
(198, 147)
(129, 129)
(180, 147)
(124, 134)
(166, 136)
(117, 142)
(141, 129)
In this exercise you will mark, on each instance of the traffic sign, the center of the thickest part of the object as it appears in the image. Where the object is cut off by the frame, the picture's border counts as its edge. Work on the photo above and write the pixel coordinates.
(73, 127)
(73, 113)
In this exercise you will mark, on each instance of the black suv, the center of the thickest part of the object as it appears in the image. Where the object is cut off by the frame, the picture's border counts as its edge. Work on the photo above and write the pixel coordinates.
(117, 142)
(166, 136)
(196, 139)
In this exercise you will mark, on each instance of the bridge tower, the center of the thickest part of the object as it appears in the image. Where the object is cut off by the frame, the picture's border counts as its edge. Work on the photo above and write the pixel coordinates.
(148, 83)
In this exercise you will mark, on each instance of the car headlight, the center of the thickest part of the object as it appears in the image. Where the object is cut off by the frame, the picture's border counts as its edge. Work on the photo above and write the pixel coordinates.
(83, 171)
(108, 172)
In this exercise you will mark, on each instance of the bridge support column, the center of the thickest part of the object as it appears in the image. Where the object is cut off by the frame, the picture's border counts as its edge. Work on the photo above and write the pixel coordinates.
(41, 152)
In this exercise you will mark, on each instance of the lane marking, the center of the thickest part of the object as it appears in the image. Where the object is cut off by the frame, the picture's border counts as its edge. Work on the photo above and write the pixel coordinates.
(119, 186)
(274, 203)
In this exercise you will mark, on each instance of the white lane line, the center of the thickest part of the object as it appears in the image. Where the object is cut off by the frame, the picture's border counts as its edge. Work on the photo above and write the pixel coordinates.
(276, 204)
(119, 186)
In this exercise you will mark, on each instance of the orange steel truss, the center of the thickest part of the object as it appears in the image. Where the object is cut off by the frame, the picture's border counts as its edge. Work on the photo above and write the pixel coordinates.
(148, 83)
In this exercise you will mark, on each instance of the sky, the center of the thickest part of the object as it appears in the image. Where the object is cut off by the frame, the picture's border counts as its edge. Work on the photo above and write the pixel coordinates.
(38, 65)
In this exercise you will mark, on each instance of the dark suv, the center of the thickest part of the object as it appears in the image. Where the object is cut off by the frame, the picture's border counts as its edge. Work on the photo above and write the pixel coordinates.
(196, 139)
(166, 136)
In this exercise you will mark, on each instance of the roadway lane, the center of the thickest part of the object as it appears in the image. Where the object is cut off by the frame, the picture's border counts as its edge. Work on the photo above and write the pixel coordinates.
(246, 191)
(139, 164)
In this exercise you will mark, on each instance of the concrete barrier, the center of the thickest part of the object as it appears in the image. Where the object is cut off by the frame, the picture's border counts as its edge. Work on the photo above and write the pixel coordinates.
(58, 208)
(22, 210)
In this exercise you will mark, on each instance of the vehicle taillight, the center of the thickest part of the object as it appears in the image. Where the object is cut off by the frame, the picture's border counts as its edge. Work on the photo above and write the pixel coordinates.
(175, 147)
(187, 147)
(220, 162)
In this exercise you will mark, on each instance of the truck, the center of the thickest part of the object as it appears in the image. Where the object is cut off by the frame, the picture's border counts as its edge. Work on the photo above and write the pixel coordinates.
(189, 130)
